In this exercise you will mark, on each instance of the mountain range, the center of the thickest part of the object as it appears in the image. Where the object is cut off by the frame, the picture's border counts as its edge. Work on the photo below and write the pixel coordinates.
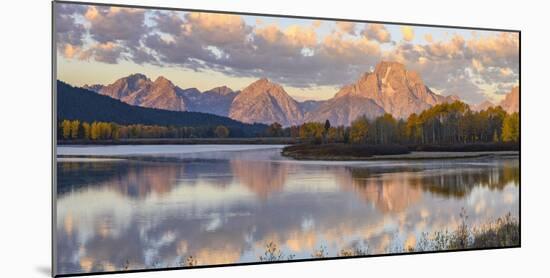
(390, 88)
(510, 103)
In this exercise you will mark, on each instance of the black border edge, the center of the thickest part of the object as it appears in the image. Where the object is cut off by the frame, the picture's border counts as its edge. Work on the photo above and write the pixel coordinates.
(519, 113)
(54, 136)
(53, 160)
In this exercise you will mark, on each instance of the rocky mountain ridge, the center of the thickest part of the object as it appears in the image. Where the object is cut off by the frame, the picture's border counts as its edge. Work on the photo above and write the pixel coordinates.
(389, 88)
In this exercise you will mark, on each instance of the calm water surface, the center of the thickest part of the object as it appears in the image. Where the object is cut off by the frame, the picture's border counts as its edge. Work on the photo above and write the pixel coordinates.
(139, 207)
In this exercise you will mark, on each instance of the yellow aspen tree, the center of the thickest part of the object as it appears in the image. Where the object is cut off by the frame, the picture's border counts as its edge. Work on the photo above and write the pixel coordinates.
(74, 129)
(66, 129)
(86, 128)
(94, 132)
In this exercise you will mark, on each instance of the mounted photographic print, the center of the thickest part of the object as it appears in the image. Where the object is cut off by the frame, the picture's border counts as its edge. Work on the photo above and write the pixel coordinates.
(190, 138)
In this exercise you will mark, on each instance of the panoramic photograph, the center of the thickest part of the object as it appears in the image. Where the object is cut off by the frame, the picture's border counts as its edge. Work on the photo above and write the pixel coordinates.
(188, 139)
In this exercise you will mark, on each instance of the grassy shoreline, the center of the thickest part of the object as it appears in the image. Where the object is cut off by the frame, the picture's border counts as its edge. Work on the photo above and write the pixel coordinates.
(503, 232)
(344, 152)
(413, 156)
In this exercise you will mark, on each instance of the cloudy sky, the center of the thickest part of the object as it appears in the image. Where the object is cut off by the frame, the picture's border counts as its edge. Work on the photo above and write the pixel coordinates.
(312, 59)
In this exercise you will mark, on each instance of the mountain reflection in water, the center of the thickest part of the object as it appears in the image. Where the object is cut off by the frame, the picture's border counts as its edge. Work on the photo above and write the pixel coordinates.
(222, 207)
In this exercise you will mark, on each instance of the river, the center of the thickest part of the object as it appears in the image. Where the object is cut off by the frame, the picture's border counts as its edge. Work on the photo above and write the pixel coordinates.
(135, 207)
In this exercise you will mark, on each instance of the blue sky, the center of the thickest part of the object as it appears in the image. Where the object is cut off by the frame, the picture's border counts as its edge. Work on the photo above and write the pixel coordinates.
(312, 59)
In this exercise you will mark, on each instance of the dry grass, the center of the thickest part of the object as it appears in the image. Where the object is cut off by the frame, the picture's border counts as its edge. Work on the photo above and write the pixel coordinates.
(502, 232)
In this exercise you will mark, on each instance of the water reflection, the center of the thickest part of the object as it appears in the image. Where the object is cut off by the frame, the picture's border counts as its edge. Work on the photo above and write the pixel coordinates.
(260, 177)
(389, 192)
(222, 207)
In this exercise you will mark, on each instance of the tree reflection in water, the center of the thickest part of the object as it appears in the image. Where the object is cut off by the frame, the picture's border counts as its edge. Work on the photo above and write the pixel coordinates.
(213, 209)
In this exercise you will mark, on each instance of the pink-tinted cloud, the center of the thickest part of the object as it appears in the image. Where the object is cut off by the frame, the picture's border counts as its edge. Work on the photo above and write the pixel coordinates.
(460, 66)
(116, 24)
(377, 32)
(107, 52)
(346, 27)
(300, 55)
(69, 33)
(216, 29)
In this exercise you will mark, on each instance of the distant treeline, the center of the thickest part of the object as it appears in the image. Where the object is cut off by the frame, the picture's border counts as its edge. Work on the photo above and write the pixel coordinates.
(75, 129)
(448, 123)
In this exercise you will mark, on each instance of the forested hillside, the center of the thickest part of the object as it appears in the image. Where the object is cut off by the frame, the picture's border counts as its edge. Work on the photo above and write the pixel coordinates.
(86, 106)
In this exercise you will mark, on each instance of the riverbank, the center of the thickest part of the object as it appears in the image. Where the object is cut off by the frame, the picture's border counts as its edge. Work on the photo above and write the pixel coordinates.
(343, 152)
(187, 141)
(444, 155)
(503, 232)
